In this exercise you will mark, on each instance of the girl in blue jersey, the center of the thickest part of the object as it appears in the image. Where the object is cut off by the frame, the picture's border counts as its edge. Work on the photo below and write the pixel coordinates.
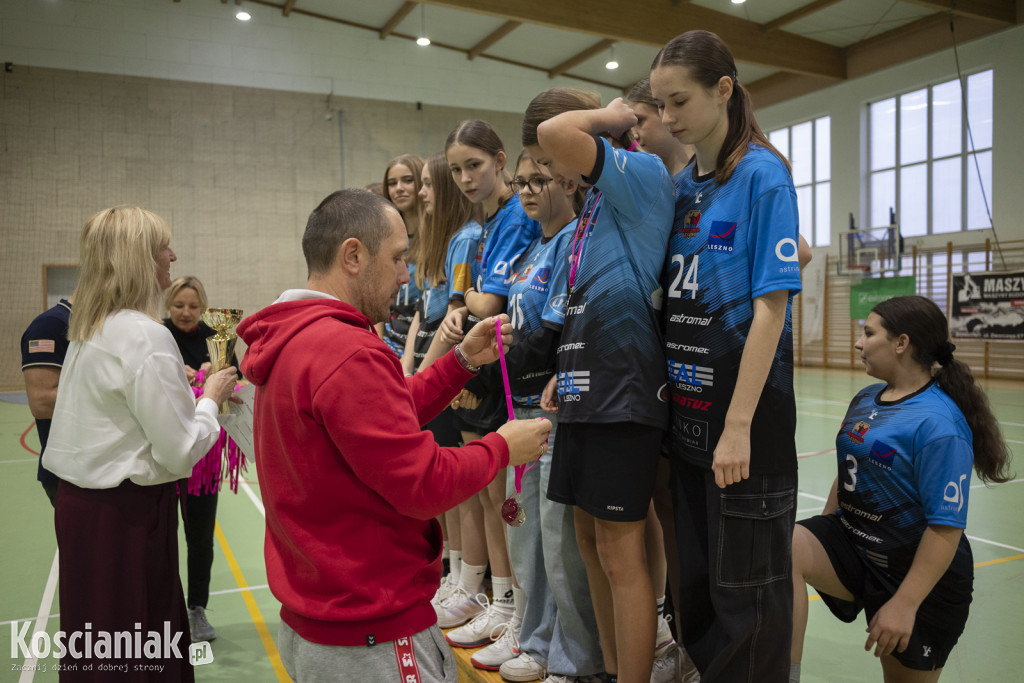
(730, 276)
(476, 160)
(557, 632)
(609, 363)
(891, 539)
(401, 187)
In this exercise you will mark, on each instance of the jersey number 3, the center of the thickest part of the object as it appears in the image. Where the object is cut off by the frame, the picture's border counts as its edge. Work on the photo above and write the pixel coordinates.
(852, 471)
(689, 282)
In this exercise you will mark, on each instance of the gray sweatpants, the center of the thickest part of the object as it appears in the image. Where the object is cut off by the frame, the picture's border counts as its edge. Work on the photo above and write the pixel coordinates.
(308, 662)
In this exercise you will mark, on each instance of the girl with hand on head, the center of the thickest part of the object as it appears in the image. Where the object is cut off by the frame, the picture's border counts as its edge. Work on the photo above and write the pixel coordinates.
(609, 363)
(730, 277)
(402, 183)
(891, 540)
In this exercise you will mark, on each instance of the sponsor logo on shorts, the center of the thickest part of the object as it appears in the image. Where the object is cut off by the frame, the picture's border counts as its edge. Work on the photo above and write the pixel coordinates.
(689, 377)
(721, 236)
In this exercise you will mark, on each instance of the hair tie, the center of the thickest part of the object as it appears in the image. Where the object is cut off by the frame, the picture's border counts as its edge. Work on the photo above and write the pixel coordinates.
(633, 146)
(944, 354)
(735, 78)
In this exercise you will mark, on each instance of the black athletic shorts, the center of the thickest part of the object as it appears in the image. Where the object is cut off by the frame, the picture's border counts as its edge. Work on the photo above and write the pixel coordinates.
(443, 429)
(940, 620)
(608, 470)
(485, 418)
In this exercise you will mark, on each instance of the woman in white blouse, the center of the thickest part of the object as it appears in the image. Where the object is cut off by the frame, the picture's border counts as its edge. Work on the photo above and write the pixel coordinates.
(125, 427)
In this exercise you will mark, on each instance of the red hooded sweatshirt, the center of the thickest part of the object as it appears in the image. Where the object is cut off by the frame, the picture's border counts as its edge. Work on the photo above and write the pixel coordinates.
(350, 483)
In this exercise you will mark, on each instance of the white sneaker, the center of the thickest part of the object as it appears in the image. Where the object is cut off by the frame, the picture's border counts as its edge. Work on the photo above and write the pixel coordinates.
(687, 672)
(478, 631)
(666, 666)
(457, 608)
(443, 591)
(504, 647)
(663, 640)
(522, 668)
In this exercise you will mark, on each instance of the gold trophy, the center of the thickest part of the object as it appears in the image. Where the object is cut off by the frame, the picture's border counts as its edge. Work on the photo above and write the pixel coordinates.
(222, 345)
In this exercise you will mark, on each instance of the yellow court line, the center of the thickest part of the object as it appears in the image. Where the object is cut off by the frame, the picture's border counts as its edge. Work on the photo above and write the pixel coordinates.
(254, 610)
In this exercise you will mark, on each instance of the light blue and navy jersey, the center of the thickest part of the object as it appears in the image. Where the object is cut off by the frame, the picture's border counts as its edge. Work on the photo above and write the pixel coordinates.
(611, 356)
(462, 265)
(903, 465)
(403, 308)
(432, 307)
(537, 298)
(731, 244)
(505, 235)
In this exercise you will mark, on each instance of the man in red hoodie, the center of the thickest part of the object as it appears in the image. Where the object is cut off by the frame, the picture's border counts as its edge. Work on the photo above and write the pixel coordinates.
(350, 482)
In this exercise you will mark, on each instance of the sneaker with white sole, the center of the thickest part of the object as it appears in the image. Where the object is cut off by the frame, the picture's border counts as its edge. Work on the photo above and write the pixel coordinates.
(457, 608)
(522, 668)
(504, 647)
(687, 671)
(443, 591)
(477, 632)
(663, 640)
(666, 666)
(199, 626)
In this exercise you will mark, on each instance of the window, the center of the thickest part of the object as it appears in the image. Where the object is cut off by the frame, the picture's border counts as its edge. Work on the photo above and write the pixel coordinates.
(927, 163)
(807, 145)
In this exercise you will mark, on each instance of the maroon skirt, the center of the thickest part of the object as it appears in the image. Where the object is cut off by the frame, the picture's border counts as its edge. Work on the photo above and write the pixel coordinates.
(119, 576)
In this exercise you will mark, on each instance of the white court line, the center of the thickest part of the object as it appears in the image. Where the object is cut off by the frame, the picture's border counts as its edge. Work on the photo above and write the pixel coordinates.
(822, 401)
(1012, 441)
(1012, 424)
(18, 621)
(28, 672)
(254, 498)
(803, 510)
(1001, 545)
(7, 462)
(812, 496)
(992, 486)
(805, 413)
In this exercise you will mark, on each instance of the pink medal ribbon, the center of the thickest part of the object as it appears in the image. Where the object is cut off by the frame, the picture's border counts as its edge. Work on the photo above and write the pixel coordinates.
(511, 511)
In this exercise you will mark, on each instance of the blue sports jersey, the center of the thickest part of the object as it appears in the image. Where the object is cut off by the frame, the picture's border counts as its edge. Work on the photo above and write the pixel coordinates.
(403, 308)
(731, 244)
(611, 356)
(537, 298)
(505, 235)
(903, 465)
(462, 265)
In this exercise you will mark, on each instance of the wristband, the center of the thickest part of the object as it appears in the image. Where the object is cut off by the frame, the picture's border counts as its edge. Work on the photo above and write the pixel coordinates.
(463, 361)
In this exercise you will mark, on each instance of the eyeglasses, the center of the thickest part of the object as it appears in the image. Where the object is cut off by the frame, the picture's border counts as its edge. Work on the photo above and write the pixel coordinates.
(536, 184)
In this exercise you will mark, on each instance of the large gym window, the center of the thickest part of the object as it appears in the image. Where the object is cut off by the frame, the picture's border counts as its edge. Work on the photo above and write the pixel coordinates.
(808, 147)
(927, 163)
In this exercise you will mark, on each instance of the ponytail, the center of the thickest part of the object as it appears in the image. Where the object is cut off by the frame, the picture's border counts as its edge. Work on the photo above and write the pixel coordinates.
(926, 327)
(708, 60)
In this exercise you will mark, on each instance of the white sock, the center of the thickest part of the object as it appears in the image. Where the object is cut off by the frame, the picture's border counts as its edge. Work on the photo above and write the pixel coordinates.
(794, 672)
(455, 565)
(472, 577)
(504, 595)
(661, 606)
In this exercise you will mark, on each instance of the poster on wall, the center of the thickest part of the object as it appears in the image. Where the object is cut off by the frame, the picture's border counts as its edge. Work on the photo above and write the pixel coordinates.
(987, 305)
(871, 291)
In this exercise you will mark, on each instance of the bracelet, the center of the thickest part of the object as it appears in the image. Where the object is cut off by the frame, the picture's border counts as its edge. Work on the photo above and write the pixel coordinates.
(463, 361)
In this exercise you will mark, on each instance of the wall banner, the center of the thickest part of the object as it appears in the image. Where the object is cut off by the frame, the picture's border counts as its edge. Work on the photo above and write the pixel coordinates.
(987, 305)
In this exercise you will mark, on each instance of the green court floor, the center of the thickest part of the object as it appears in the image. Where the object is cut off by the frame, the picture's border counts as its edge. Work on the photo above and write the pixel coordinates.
(246, 614)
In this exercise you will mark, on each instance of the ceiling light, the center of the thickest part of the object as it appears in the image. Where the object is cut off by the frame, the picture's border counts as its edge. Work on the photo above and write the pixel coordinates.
(738, 2)
(423, 41)
(611, 63)
(242, 15)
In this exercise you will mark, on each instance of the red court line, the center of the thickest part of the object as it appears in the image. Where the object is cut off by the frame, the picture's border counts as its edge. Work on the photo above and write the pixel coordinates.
(23, 435)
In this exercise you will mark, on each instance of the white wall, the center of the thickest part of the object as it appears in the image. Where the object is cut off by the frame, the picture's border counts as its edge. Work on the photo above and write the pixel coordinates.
(200, 40)
(847, 105)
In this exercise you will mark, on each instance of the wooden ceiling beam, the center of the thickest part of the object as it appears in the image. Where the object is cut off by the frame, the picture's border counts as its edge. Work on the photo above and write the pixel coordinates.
(397, 18)
(798, 13)
(493, 38)
(1001, 11)
(288, 7)
(655, 22)
(577, 59)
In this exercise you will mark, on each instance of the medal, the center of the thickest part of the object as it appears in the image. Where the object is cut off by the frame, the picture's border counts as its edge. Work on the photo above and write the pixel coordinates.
(511, 511)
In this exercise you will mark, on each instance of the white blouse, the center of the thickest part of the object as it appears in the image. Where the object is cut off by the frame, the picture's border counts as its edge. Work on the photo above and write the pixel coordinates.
(125, 410)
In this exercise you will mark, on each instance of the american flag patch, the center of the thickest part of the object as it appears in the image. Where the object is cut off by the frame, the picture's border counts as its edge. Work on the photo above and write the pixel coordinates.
(40, 346)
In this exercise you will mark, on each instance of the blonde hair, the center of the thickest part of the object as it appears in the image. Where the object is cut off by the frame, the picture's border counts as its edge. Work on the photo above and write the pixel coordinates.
(187, 282)
(119, 249)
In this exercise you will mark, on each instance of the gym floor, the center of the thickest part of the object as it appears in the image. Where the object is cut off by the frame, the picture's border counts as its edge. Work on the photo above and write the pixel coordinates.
(245, 613)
